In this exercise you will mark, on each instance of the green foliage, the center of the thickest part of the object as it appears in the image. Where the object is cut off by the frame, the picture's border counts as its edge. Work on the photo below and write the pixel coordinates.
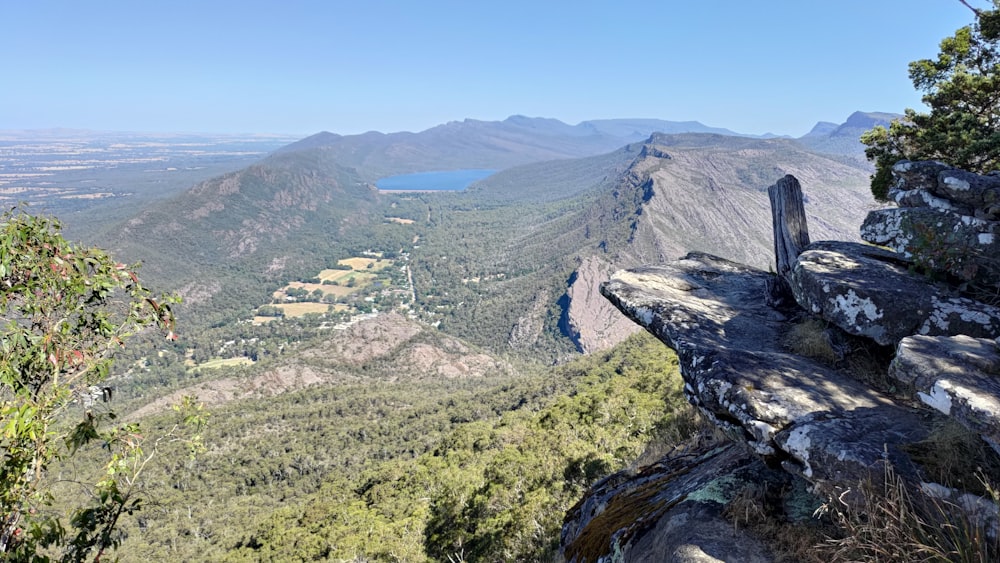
(64, 309)
(962, 91)
(493, 488)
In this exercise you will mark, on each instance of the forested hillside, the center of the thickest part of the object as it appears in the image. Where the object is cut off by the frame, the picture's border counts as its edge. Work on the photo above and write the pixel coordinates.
(372, 465)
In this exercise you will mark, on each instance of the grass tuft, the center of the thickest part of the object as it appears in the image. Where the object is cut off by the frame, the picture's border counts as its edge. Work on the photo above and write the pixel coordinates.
(896, 524)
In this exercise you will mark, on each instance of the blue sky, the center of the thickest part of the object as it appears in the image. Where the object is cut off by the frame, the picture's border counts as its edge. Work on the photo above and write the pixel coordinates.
(300, 67)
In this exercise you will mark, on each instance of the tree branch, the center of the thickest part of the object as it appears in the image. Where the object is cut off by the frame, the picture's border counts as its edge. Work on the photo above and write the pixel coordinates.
(969, 6)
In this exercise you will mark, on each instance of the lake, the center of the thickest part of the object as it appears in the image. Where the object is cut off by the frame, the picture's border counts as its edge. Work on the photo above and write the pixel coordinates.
(444, 180)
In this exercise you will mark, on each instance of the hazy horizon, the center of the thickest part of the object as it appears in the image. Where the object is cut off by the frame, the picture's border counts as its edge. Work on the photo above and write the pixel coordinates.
(310, 66)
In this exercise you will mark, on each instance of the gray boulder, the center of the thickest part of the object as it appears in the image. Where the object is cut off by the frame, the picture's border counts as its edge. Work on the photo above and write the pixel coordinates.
(961, 245)
(946, 221)
(918, 175)
(958, 376)
(979, 192)
(868, 291)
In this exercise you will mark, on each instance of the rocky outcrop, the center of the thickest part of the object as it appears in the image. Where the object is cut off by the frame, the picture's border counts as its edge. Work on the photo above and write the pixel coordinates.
(868, 291)
(793, 410)
(683, 193)
(670, 511)
(947, 221)
(816, 416)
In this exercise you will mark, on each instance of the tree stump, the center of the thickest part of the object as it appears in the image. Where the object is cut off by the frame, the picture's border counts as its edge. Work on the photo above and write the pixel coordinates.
(791, 233)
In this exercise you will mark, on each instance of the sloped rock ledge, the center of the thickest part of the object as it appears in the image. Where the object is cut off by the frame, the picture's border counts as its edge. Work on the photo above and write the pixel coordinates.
(790, 409)
(727, 322)
(958, 376)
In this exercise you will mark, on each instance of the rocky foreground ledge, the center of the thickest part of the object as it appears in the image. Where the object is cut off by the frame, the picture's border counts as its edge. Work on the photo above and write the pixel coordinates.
(900, 356)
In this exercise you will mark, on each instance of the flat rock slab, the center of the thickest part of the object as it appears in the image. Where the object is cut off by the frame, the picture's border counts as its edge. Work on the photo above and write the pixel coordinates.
(959, 376)
(868, 291)
(713, 313)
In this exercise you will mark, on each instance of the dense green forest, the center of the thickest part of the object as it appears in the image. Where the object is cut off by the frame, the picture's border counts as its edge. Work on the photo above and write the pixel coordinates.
(382, 468)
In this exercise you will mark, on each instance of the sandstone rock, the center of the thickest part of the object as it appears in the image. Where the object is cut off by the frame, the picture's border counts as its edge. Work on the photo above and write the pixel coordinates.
(789, 408)
(669, 511)
(959, 376)
(961, 245)
(867, 291)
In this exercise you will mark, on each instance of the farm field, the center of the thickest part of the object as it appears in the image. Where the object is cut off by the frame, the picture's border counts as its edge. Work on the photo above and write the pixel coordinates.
(299, 298)
(363, 263)
(334, 290)
(400, 220)
(300, 309)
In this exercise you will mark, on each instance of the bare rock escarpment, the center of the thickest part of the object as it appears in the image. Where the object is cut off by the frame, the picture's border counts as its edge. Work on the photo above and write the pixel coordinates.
(818, 421)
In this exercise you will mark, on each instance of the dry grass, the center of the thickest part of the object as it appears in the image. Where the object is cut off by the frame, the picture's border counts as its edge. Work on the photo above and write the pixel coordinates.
(360, 263)
(898, 525)
(811, 339)
(856, 357)
(957, 457)
(336, 290)
(756, 509)
(300, 309)
(333, 275)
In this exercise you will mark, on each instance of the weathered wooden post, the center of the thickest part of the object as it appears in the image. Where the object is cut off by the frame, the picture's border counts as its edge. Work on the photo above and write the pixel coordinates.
(791, 233)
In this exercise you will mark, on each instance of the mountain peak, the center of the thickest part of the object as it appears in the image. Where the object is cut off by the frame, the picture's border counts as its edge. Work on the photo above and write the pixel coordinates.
(869, 119)
(822, 128)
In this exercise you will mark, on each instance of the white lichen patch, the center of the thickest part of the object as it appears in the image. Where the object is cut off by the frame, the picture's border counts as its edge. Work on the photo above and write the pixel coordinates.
(761, 430)
(797, 445)
(978, 317)
(957, 184)
(886, 231)
(943, 311)
(970, 221)
(851, 306)
(935, 202)
(644, 316)
(938, 398)
(977, 400)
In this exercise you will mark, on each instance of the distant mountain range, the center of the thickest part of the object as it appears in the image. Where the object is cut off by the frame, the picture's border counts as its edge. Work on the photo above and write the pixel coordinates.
(489, 144)
(569, 198)
(843, 139)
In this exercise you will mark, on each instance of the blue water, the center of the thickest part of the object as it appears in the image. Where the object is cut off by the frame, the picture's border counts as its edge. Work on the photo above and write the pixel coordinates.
(449, 180)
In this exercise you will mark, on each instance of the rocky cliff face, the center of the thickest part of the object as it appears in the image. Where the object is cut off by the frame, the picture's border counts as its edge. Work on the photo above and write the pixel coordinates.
(891, 359)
